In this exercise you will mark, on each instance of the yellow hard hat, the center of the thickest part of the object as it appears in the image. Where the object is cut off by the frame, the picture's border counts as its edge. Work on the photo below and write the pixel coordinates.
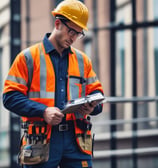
(74, 11)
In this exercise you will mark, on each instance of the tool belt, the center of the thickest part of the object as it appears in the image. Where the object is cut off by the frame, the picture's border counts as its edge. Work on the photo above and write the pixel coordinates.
(34, 145)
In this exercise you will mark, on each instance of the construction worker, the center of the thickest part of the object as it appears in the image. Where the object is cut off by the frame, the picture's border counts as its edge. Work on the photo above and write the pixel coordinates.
(42, 79)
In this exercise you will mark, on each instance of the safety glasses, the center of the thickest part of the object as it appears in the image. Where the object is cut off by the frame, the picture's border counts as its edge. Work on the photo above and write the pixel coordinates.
(73, 32)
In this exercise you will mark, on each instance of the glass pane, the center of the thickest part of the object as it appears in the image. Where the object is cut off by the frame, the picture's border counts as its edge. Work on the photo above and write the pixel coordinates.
(147, 10)
(4, 66)
(120, 64)
(0, 70)
(57, 2)
(123, 64)
(155, 4)
(124, 12)
(4, 147)
(124, 75)
(156, 62)
(87, 47)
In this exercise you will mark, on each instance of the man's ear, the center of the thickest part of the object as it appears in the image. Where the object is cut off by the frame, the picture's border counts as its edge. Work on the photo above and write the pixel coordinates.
(57, 23)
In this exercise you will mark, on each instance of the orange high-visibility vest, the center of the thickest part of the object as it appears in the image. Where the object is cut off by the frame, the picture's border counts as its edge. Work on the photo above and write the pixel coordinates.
(32, 74)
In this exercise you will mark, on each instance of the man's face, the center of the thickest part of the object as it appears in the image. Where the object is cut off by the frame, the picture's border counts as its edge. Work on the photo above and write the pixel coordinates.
(67, 33)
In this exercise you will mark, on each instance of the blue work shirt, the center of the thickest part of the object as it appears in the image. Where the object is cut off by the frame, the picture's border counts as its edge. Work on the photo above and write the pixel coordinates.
(19, 103)
(60, 64)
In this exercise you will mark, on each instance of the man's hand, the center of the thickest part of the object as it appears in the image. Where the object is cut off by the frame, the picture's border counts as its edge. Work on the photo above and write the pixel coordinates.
(87, 108)
(53, 115)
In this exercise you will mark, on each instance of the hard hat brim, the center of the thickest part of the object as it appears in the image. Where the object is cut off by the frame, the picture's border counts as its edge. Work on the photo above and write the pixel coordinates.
(54, 13)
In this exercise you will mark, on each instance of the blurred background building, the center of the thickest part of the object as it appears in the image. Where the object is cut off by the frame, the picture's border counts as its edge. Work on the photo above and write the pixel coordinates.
(122, 42)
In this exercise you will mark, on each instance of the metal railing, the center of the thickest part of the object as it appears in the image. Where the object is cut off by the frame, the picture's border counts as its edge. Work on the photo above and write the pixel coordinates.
(113, 136)
(130, 99)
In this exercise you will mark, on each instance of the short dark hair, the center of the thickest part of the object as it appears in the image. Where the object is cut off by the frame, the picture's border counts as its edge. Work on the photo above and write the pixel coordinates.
(61, 17)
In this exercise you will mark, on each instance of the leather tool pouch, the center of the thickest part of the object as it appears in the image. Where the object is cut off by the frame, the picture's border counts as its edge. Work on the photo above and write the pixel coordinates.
(85, 142)
(34, 154)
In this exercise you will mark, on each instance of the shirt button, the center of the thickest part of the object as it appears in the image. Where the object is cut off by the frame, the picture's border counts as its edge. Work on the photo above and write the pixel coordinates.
(60, 78)
(62, 90)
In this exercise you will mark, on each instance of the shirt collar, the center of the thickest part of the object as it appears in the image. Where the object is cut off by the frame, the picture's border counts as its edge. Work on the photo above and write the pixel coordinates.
(49, 46)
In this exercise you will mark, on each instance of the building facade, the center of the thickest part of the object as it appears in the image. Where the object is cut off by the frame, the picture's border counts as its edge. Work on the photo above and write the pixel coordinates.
(123, 46)
(4, 66)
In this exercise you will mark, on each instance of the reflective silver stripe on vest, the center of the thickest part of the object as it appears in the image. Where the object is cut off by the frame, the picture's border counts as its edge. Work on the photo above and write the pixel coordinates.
(16, 79)
(29, 63)
(91, 80)
(81, 69)
(41, 95)
(74, 89)
(43, 77)
(43, 71)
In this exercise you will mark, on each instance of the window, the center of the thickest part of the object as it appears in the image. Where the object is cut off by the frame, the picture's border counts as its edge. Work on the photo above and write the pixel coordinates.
(4, 114)
(57, 2)
(0, 69)
(155, 4)
(120, 64)
(88, 47)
